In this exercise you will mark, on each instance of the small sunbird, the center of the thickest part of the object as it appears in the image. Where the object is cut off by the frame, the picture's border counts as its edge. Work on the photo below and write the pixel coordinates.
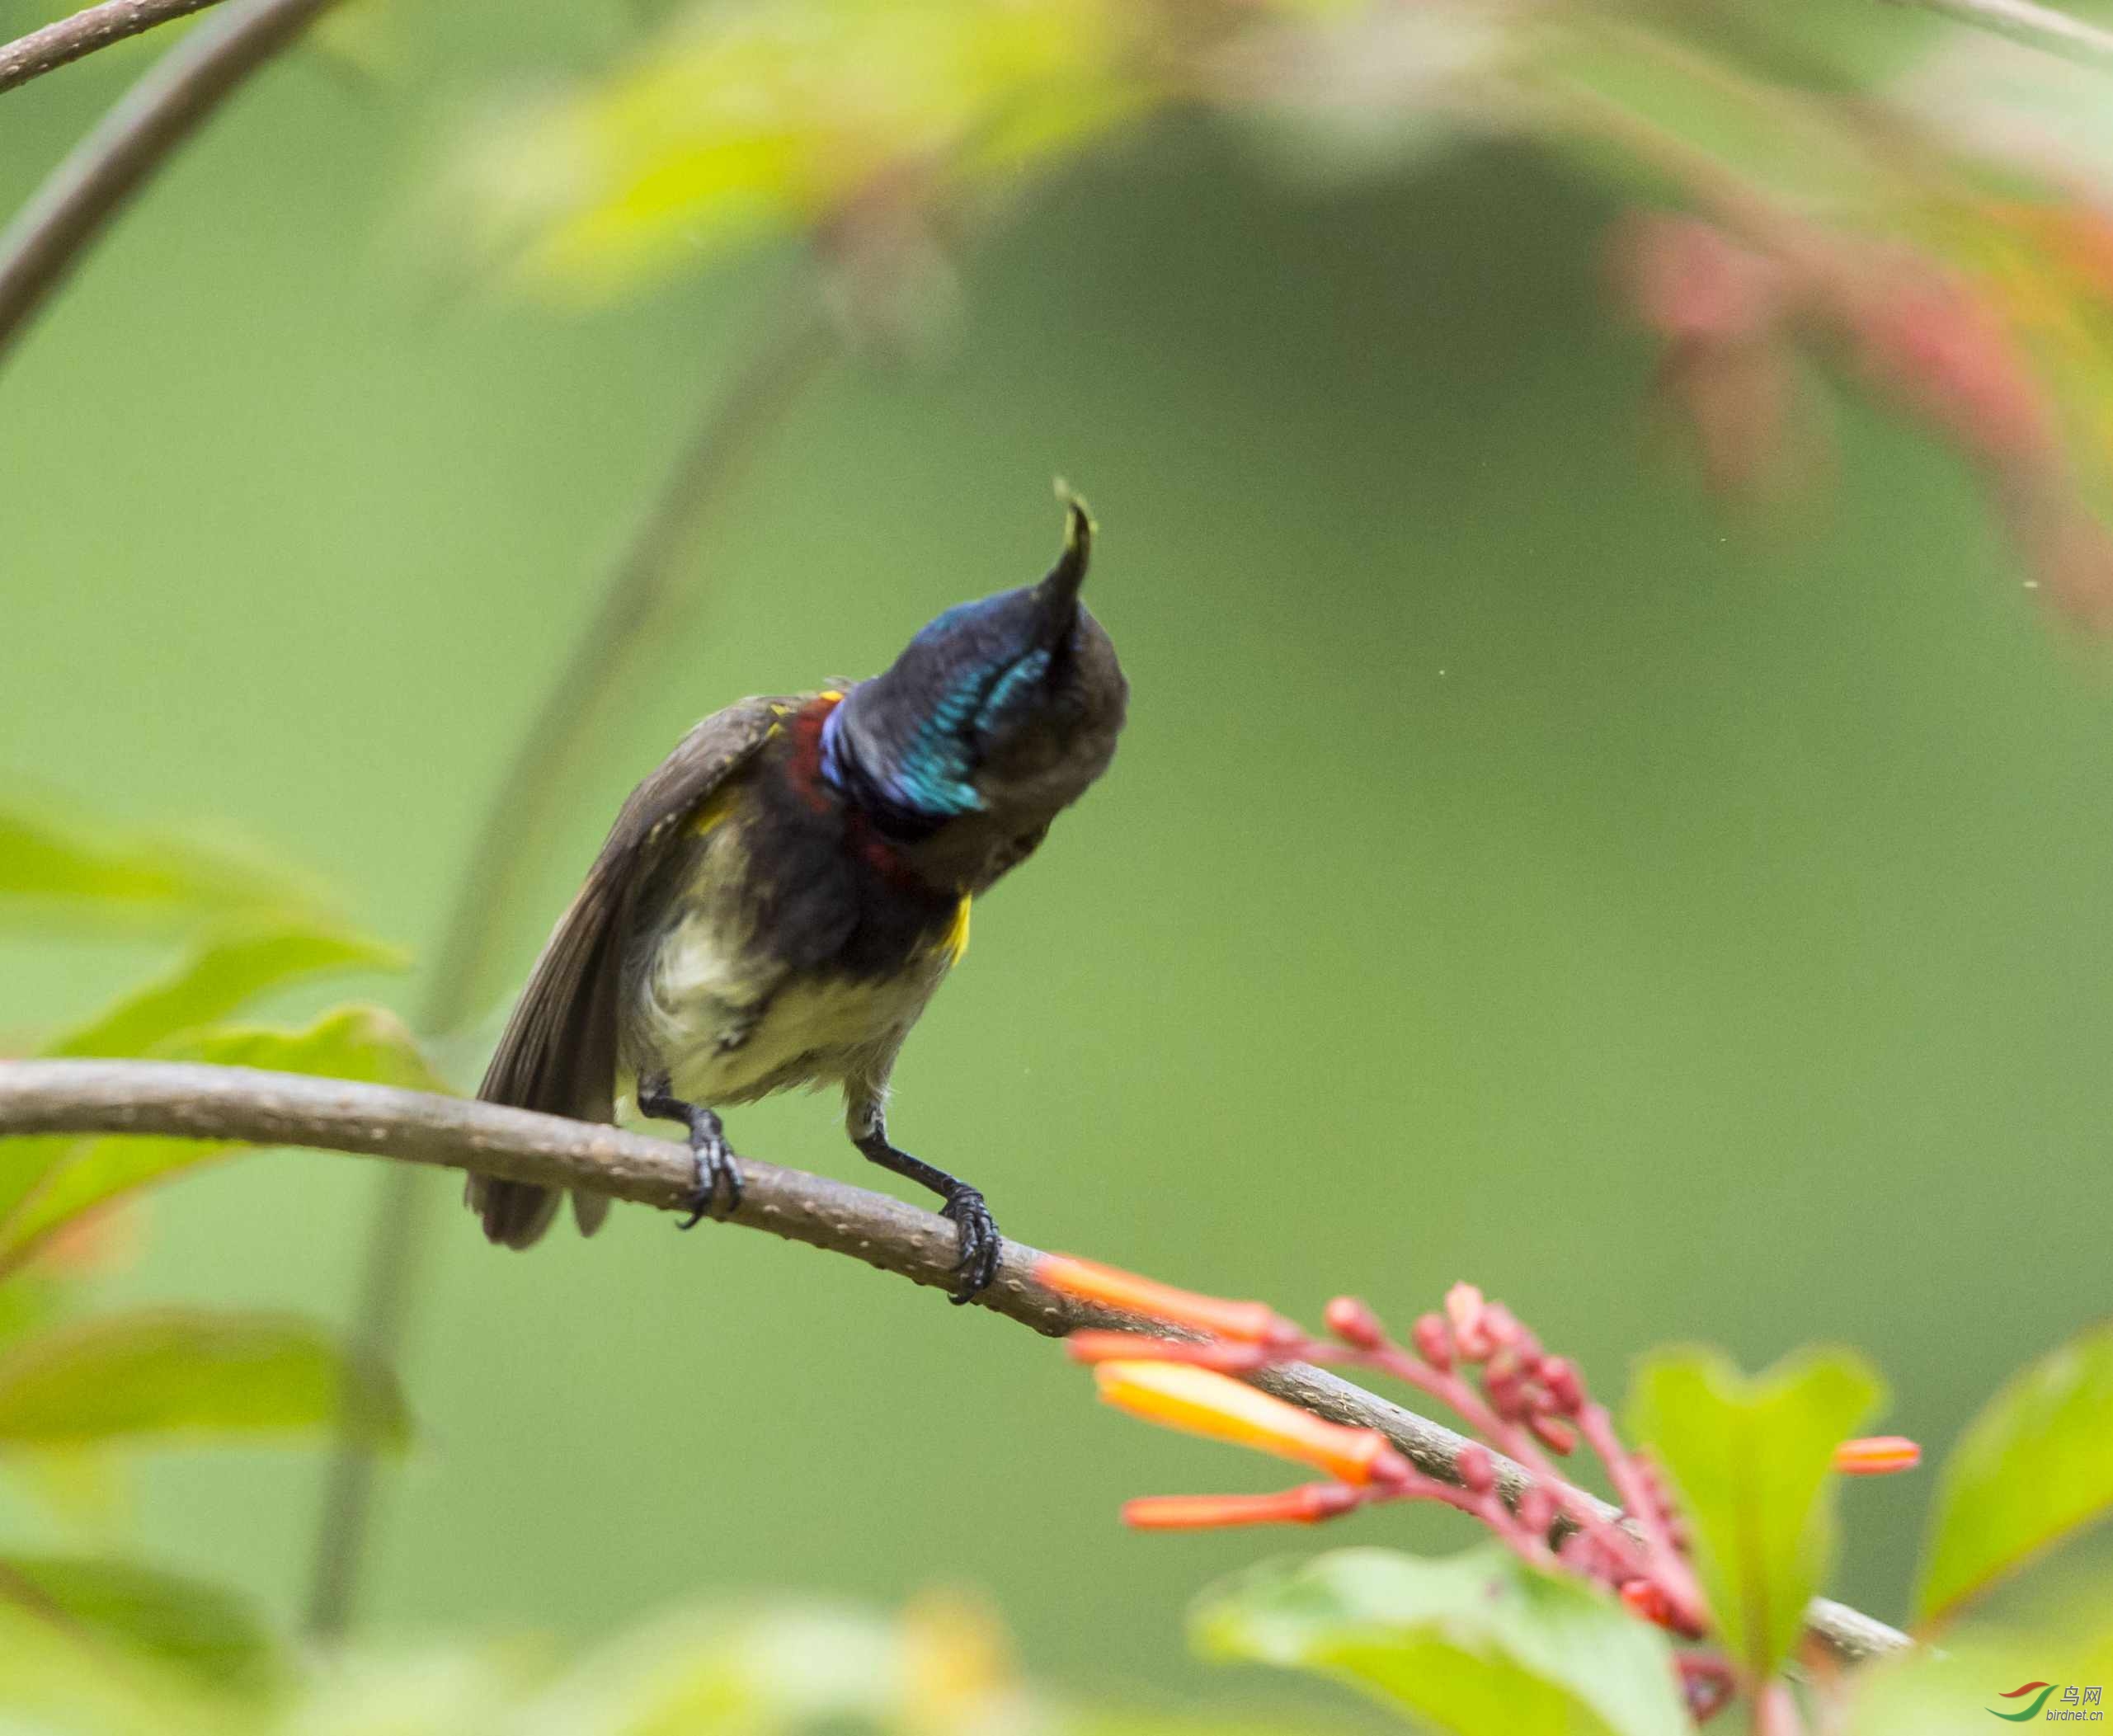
(778, 902)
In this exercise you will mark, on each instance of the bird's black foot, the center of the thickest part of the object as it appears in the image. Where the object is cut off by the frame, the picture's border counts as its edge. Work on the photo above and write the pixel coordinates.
(718, 1170)
(981, 1245)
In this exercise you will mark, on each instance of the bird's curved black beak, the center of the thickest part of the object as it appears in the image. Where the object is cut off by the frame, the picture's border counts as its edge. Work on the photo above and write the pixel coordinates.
(1056, 597)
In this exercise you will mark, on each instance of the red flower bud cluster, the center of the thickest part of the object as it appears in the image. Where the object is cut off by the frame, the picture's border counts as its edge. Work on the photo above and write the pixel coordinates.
(1473, 1355)
(1735, 313)
(1521, 1383)
(1519, 1402)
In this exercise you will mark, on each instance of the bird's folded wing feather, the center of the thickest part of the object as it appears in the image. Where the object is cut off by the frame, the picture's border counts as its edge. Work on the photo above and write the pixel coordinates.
(559, 1051)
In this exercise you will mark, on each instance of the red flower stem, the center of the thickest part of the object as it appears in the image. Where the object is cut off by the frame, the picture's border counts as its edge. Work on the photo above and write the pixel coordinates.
(1652, 1556)
(1457, 1394)
(1488, 1507)
(1666, 1563)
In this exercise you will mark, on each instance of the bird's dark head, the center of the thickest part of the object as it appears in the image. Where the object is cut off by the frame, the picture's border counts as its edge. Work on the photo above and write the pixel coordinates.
(997, 715)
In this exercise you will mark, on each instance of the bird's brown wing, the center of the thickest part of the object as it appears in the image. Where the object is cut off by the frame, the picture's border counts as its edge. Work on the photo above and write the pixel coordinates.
(559, 1051)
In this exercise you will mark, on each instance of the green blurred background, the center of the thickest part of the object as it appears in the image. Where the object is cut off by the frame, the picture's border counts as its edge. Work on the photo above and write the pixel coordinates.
(1683, 924)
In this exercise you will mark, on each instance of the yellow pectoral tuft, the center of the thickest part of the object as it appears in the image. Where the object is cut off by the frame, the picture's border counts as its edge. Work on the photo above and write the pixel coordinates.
(716, 808)
(954, 942)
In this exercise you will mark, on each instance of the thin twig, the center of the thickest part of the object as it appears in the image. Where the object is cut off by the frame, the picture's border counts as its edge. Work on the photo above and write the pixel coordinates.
(633, 597)
(66, 40)
(80, 196)
(2036, 25)
(196, 1102)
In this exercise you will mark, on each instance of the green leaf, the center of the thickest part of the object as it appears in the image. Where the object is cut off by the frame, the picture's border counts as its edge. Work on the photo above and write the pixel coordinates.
(1159, 1724)
(55, 1680)
(1750, 127)
(218, 979)
(357, 1041)
(173, 1374)
(1751, 1460)
(197, 1628)
(739, 122)
(783, 1668)
(27, 1301)
(1961, 1689)
(83, 1487)
(1477, 1644)
(52, 1182)
(2031, 1468)
(1834, 50)
(92, 867)
(433, 1690)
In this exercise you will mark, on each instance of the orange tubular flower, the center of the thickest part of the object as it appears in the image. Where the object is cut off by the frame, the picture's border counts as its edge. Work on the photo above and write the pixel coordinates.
(1253, 1323)
(1204, 1402)
(1877, 1456)
(1307, 1505)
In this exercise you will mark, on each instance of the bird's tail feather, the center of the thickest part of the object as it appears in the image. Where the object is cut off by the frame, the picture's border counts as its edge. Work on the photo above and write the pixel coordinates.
(516, 1214)
(558, 1054)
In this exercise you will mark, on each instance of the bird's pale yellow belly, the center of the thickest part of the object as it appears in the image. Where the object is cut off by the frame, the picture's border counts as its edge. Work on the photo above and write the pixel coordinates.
(725, 1032)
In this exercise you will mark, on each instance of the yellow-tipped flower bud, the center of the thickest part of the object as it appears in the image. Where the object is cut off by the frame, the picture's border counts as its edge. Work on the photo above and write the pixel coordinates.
(1203, 1402)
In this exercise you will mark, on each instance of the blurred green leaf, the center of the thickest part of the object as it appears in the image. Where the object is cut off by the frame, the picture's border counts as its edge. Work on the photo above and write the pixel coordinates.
(95, 868)
(57, 1180)
(357, 1042)
(743, 119)
(27, 1301)
(438, 1691)
(2032, 1467)
(197, 1628)
(1477, 1643)
(165, 1374)
(1752, 1462)
(1951, 1691)
(1833, 50)
(218, 979)
(80, 1485)
(56, 1680)
(1152, 1724)
(762, 1669)
(1637, 80)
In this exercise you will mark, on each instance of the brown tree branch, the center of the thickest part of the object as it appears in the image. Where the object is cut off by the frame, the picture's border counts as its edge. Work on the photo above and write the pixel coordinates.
(197, 1102)
(80, 197)
(67, 39)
